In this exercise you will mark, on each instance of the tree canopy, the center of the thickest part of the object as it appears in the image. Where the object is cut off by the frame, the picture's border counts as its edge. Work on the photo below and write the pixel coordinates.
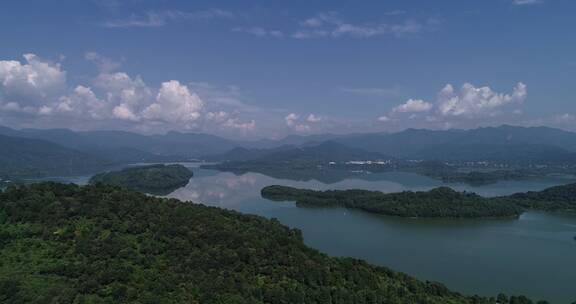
(104, 244)
(154, 179)
(438, 202)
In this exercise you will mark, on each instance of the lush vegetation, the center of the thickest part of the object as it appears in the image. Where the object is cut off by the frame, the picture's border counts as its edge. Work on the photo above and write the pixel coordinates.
(488, 177)
(556, 199)
(439, 202)
(103, 244)
(155, 179)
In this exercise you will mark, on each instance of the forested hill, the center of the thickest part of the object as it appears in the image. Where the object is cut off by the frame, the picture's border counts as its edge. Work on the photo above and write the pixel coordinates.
(155, 179)
(558, 198)
(102, 244)
(438, 202)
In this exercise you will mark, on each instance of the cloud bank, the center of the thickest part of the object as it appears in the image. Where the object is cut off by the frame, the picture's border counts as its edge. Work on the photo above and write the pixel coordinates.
(36, 93)
(468, 105)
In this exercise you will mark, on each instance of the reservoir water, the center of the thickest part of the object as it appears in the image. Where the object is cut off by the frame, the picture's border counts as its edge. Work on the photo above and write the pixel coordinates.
(534, 255)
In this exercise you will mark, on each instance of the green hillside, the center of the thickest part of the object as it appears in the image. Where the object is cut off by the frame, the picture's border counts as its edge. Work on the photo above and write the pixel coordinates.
(102, 244)
(155, 179)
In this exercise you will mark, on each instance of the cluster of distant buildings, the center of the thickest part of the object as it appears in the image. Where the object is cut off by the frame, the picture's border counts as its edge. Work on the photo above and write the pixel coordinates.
(469, 164)
(368, 162)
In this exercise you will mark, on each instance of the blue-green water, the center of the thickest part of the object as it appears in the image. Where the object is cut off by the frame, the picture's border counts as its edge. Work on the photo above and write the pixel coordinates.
(534, 255)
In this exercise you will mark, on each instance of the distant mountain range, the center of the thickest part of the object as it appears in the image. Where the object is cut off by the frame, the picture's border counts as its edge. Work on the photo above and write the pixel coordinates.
(504, 143)
(23, 157)
(312, 153)
(129, 146)
(65, 150)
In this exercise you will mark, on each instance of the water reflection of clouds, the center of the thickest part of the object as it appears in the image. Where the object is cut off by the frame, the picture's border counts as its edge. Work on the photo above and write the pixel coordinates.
(222, 189)
(482, 247)
(228, 190)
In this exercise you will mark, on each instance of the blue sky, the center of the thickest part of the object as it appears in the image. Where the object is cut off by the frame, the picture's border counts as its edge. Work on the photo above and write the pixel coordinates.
(270, 68)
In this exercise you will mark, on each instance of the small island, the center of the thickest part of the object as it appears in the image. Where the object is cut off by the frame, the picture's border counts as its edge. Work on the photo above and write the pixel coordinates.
(442, 202)
(154, 179)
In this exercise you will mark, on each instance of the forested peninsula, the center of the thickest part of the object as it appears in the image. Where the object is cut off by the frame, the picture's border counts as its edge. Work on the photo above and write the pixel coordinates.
(155, 179)
(442, 202)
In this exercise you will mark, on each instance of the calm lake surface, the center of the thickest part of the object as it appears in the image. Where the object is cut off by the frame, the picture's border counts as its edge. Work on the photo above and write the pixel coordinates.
(534, 255)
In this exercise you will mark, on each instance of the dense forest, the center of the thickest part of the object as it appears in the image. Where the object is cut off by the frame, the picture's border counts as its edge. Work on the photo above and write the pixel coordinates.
(556, 199)
(155, 179)
(489, 177)
(104, 244)
(439, 202)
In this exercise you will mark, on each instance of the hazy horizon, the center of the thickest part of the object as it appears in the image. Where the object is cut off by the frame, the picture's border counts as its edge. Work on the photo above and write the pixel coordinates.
(286, 135)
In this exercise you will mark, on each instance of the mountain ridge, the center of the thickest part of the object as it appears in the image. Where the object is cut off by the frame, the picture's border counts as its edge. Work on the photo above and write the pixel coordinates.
(472, 144)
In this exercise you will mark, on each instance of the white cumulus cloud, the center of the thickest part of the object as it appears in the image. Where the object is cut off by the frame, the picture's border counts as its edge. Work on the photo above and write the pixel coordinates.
(475, 101)
(291, 119)
(303, 123)
(467, 106)
(313, 118)
(124, 112)
(235, 123)
(413, 106)
(35, 93)
(174, 102)
(30, 85)
(384, 118)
